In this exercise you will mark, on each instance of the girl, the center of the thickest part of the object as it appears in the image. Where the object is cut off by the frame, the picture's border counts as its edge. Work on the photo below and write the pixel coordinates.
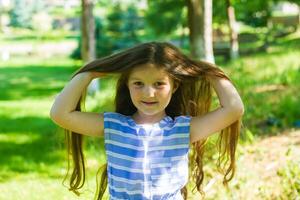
(162, 110)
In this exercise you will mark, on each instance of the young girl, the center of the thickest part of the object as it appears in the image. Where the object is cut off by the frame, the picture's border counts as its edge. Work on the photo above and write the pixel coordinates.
(161, 122)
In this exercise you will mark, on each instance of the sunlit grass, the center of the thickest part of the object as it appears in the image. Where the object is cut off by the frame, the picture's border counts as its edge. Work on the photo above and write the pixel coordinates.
(36, 187)
(268, 83)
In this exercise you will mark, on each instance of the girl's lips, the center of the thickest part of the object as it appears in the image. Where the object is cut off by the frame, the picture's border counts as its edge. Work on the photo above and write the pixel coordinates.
(149, 103)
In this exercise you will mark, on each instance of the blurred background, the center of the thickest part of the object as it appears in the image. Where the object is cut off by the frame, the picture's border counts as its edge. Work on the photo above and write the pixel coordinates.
(42, 42)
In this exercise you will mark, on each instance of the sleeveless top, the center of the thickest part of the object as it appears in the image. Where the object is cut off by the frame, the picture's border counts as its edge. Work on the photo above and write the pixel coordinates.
(146, 161)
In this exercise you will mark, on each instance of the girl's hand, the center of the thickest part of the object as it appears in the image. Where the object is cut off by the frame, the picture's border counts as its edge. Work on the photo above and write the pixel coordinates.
(94, 75)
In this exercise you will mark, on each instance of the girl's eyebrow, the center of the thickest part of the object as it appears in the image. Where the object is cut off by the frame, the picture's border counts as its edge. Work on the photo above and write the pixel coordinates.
(138, 79)
(134, 78)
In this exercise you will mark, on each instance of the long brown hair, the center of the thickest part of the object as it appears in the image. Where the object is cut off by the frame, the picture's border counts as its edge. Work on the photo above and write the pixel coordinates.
(193, 97)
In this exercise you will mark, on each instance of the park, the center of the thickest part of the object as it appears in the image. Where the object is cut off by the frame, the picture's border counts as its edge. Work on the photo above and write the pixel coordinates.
(42, 43)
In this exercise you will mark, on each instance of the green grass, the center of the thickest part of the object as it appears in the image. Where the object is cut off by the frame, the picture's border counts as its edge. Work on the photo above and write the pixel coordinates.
(31, 147)
(18, 35)
(290, 179)
(278, 68)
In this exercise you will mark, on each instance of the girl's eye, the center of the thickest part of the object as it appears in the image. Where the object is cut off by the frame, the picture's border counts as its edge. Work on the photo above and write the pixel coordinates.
(138, 83)
(159, 84)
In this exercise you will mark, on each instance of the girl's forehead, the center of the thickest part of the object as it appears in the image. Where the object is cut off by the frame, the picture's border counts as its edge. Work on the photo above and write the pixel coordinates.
(148, 71)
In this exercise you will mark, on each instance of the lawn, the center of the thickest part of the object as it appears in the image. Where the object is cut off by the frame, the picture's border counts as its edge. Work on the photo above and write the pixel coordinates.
(32, 151)
(31, 147)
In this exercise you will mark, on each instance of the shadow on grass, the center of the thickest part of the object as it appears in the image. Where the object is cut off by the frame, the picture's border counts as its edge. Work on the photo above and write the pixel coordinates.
(34, 144)
(26, 124)
(32, 81)
(290, 43)
(26, 148)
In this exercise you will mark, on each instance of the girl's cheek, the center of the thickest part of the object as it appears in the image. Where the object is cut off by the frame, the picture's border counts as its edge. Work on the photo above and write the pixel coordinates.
(167, 91)
(135, 93)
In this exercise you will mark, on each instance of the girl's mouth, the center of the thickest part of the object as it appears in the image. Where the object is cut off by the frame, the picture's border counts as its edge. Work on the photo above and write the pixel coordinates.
(149, 103)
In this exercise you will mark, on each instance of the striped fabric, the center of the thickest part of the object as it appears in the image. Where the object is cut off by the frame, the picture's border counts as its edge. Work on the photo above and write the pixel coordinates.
(149, 161)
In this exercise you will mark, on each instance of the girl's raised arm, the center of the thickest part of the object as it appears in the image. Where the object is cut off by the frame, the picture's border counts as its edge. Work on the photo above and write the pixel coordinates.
(231, 109)
(63, 109)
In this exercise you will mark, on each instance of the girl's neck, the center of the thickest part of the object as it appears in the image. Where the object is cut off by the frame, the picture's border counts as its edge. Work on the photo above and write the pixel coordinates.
(141, 118)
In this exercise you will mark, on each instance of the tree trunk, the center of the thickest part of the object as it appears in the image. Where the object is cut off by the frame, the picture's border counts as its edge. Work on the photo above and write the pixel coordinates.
(234, 45)
(200, 25)
(88, 45)
(1, 11)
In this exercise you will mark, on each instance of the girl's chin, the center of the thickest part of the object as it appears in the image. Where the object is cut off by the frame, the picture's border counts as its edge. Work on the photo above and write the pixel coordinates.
(151, 113)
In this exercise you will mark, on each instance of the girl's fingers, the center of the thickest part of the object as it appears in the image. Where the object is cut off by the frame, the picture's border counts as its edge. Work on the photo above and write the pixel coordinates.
(97, 74)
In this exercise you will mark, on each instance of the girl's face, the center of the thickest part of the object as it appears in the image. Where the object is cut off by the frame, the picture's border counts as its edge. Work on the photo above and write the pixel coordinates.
(150, 90)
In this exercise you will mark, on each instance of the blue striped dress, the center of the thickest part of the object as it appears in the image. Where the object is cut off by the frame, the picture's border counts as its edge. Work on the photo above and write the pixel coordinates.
(146, 161)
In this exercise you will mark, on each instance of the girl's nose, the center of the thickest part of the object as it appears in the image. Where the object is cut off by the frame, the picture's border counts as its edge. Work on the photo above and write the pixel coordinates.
(149, 91)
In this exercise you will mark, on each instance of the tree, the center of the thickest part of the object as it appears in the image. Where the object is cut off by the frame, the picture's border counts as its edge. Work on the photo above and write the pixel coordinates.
(234, 45)
(88, 44)
(200, 25)
(21, 14)
(254, 13)
(132, 24)
(121, 26)
(87, 31)
(165, 16)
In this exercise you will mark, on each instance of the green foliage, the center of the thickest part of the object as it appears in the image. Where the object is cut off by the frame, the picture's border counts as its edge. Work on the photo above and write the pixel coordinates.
(102, 100)
(20, 15)
(119, 29)
(165, 16)
(122, 26)
(61, 12)
(247, 136)
(254, 13)
(22, 12)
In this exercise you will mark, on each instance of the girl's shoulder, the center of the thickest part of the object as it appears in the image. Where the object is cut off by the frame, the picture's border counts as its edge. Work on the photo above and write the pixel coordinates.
(178, 121)
(182, 119)
(114, 115)
(116, 118)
